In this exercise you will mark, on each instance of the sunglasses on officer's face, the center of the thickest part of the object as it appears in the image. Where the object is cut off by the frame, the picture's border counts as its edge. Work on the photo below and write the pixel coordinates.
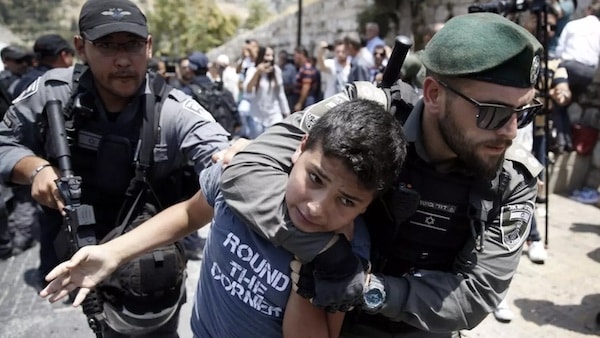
(493, 116)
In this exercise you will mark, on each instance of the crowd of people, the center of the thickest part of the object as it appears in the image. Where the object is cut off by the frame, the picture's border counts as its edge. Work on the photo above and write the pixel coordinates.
(267, 85)
(327, 216)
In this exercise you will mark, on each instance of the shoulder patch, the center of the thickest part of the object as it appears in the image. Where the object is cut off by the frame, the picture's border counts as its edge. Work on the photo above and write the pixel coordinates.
(312, 113)
(178, 95)
(32, 89)
(195, 107)
(515, 220)
(518, 153)
(367, 90)
(7, 120)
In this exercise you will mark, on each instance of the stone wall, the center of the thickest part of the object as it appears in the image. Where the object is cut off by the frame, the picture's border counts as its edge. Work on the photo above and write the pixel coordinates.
(321, 20)
(331, 19)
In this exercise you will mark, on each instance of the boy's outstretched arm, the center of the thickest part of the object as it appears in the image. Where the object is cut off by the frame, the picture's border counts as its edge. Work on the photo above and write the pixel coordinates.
(93, 263)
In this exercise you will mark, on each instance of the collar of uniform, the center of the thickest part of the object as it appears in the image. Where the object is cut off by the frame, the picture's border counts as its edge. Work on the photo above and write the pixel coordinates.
(413, 131)
(147, 89)
(86, 80)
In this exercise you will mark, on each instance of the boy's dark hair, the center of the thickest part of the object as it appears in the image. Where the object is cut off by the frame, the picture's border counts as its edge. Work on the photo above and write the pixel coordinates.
(366, 138)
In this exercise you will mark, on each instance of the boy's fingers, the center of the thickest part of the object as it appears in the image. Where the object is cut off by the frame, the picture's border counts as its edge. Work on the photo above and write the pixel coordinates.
(58, 296)
(56, 272)
(83, 292)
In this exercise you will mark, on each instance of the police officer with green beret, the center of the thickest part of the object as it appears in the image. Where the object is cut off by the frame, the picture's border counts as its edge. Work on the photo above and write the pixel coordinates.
(105, 102)
(447, 241)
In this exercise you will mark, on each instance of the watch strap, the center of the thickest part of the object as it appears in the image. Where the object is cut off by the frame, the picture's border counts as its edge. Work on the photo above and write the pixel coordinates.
(376, 282)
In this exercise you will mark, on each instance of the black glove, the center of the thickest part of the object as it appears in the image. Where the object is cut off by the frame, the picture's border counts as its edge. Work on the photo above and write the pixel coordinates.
(339, 277)
(303, 278)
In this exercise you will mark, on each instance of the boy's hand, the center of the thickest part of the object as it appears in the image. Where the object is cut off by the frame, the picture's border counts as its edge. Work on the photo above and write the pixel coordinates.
(339, 278)
(88, 267)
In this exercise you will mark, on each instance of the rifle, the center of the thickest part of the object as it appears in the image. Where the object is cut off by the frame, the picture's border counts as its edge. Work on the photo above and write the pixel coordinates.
(401, 96)
(402, 45)
(79, 219)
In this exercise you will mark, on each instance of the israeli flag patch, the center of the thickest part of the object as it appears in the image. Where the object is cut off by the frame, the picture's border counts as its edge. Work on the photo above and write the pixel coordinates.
(515, 220)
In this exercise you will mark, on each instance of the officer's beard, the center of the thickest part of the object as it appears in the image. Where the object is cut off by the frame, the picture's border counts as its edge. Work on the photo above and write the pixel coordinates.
(482, 166)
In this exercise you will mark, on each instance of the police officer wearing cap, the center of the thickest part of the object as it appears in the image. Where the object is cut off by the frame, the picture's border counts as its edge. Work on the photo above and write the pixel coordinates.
(446, 242)
(50, 51)
(16, 63)
(198, 64)
(108, 97)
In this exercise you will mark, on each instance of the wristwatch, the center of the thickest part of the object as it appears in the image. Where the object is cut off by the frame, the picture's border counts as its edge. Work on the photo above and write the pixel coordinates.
(374, 295)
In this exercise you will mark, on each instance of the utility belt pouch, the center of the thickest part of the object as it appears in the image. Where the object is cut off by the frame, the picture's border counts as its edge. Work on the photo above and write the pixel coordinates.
(114, 164)
(153, 275)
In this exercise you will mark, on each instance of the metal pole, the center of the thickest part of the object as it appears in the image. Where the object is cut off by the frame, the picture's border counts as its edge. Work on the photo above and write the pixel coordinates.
(543, 28)
(299, 37)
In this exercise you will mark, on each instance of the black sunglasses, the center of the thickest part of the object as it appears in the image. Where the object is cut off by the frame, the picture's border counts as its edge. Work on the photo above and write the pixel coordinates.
(493, 116)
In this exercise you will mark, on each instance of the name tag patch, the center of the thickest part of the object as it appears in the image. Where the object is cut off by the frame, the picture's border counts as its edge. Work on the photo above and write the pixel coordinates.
(195, 107)
(515, 221)
(88, 140)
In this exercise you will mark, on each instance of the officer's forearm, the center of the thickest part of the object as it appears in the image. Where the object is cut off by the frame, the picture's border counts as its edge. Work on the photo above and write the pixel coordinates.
(21, 173)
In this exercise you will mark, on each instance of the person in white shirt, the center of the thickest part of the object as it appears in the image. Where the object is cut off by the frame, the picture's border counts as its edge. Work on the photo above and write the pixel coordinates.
(579, 48)
(263, 87)
(228, 75)
(334, 71)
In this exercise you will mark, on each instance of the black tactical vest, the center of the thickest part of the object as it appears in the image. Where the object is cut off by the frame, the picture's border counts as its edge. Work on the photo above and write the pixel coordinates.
(421, 224)
(103, 155)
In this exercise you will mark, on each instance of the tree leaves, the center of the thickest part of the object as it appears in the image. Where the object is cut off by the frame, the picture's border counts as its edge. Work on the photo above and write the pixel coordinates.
(181, 26)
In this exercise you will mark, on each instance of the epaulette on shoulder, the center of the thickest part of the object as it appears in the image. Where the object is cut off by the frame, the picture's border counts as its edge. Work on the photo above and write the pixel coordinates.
(524, 158)
(178, 95)
(64, 75)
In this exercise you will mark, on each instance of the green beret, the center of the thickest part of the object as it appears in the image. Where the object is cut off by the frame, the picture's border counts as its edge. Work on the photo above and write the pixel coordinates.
(486, 47)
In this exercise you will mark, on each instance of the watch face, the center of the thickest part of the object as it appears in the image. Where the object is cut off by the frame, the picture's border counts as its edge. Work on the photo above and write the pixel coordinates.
(373, 298)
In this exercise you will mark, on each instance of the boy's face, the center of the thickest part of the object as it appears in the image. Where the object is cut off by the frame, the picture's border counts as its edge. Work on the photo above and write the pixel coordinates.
(322, 194)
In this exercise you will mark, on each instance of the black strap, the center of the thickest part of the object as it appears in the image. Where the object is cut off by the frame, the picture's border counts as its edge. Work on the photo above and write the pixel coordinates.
(485, 202)
(149, 136)
(78, 70)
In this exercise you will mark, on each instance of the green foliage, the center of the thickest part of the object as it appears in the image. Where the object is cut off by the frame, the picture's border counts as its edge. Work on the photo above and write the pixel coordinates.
(180, 26)
(258, 13)
(30, 18)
